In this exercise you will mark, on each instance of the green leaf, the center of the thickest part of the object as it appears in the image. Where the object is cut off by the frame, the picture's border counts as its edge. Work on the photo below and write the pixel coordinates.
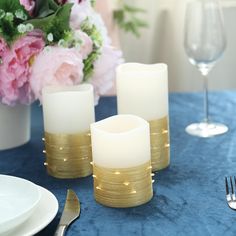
(131, 27)
(95, 35)
(8, 28)
(62, 19)
(57, 23)
(45, 8)
(89, 65)
(126, 18)
(53, 5)
(93, 2)
(11, 6)
(8, 31)
(132, 9)
(140, 23)
(118, 15)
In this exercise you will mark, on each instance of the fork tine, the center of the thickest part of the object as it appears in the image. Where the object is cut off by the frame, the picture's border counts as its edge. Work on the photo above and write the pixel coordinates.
(234, 183)
(231, 184)
(226, 186)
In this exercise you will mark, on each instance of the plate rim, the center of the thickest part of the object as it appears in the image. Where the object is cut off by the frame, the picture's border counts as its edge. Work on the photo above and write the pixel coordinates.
(41, 225)
(29, 208)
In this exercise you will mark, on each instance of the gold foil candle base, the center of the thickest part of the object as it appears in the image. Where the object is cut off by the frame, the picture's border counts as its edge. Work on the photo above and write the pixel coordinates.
(68, 156)
(160, 145)
(123, 187)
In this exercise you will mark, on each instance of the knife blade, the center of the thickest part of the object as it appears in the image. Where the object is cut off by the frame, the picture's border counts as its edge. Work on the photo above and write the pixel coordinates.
(70, 213)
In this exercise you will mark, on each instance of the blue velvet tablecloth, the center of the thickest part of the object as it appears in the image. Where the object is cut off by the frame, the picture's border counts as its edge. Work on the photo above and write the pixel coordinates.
(189, 196)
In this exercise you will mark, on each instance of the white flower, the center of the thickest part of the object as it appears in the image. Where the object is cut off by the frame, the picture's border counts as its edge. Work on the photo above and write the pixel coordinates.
(62, 43)
(50, 37)
(20, 15)
(21, 28)
(9, 16)
(29, 27)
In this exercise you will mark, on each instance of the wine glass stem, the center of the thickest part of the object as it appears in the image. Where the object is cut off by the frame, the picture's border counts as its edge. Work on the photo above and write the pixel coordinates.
(206, 107)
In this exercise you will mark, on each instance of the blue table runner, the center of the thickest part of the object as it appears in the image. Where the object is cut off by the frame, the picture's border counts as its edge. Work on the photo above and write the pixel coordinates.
(189, 196)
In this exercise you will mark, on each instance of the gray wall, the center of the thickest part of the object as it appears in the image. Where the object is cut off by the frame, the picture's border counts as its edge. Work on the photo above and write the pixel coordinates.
(163, 42)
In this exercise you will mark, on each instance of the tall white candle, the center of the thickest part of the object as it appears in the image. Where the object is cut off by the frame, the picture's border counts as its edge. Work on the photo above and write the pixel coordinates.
(142, 90)
(120, 141)
(69, 109)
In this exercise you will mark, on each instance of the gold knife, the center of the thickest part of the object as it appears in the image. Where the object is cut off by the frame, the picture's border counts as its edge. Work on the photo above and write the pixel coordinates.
(70, 213)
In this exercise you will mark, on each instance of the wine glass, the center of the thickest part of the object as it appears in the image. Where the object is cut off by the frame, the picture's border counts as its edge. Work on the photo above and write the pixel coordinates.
(204, 43)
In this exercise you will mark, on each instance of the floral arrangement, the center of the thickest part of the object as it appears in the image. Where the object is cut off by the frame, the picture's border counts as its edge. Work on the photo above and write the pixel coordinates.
(49, 42)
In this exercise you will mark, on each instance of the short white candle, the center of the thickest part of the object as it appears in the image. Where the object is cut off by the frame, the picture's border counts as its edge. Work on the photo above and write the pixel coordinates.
(120, 141)
(142, 90)
(68, 109)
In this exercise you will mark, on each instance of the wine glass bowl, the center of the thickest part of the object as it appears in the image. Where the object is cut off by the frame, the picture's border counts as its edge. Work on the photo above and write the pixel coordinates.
(204, 43)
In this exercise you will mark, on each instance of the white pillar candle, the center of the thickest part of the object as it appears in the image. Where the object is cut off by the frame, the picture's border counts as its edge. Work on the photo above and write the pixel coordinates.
(69, 109)
(121, 161)
(68, 112)
(120, 141)
(142, 90)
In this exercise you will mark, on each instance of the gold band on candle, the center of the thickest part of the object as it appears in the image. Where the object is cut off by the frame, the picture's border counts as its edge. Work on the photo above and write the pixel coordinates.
(68, 156)
(123, 187)
(160, 144)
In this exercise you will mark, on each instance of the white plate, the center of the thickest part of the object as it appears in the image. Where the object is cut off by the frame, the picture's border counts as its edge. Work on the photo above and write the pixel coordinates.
(18, 199)
(41, 217)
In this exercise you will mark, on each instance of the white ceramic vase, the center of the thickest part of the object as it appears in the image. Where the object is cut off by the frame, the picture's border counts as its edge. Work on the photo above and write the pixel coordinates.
(14, 126)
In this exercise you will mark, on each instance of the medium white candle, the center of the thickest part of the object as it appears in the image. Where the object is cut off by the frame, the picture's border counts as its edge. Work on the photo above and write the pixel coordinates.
(142, 90)
(69, 109)
(120, 141)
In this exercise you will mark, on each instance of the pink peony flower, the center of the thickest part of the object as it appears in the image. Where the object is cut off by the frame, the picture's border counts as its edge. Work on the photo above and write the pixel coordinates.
(104, 71)
(3, 47)
(83, 11)
(15, 69)
(28, 5)
(79, 13)
(86, 46)
(56, 66)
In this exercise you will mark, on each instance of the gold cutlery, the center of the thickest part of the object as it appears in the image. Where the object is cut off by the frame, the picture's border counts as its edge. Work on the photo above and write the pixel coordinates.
(70, 213)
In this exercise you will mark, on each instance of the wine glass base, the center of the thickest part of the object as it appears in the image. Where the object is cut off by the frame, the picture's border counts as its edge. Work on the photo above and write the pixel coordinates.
(206, 129)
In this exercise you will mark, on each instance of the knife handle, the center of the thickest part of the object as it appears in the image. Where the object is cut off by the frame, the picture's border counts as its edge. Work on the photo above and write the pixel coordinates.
(61, 229)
